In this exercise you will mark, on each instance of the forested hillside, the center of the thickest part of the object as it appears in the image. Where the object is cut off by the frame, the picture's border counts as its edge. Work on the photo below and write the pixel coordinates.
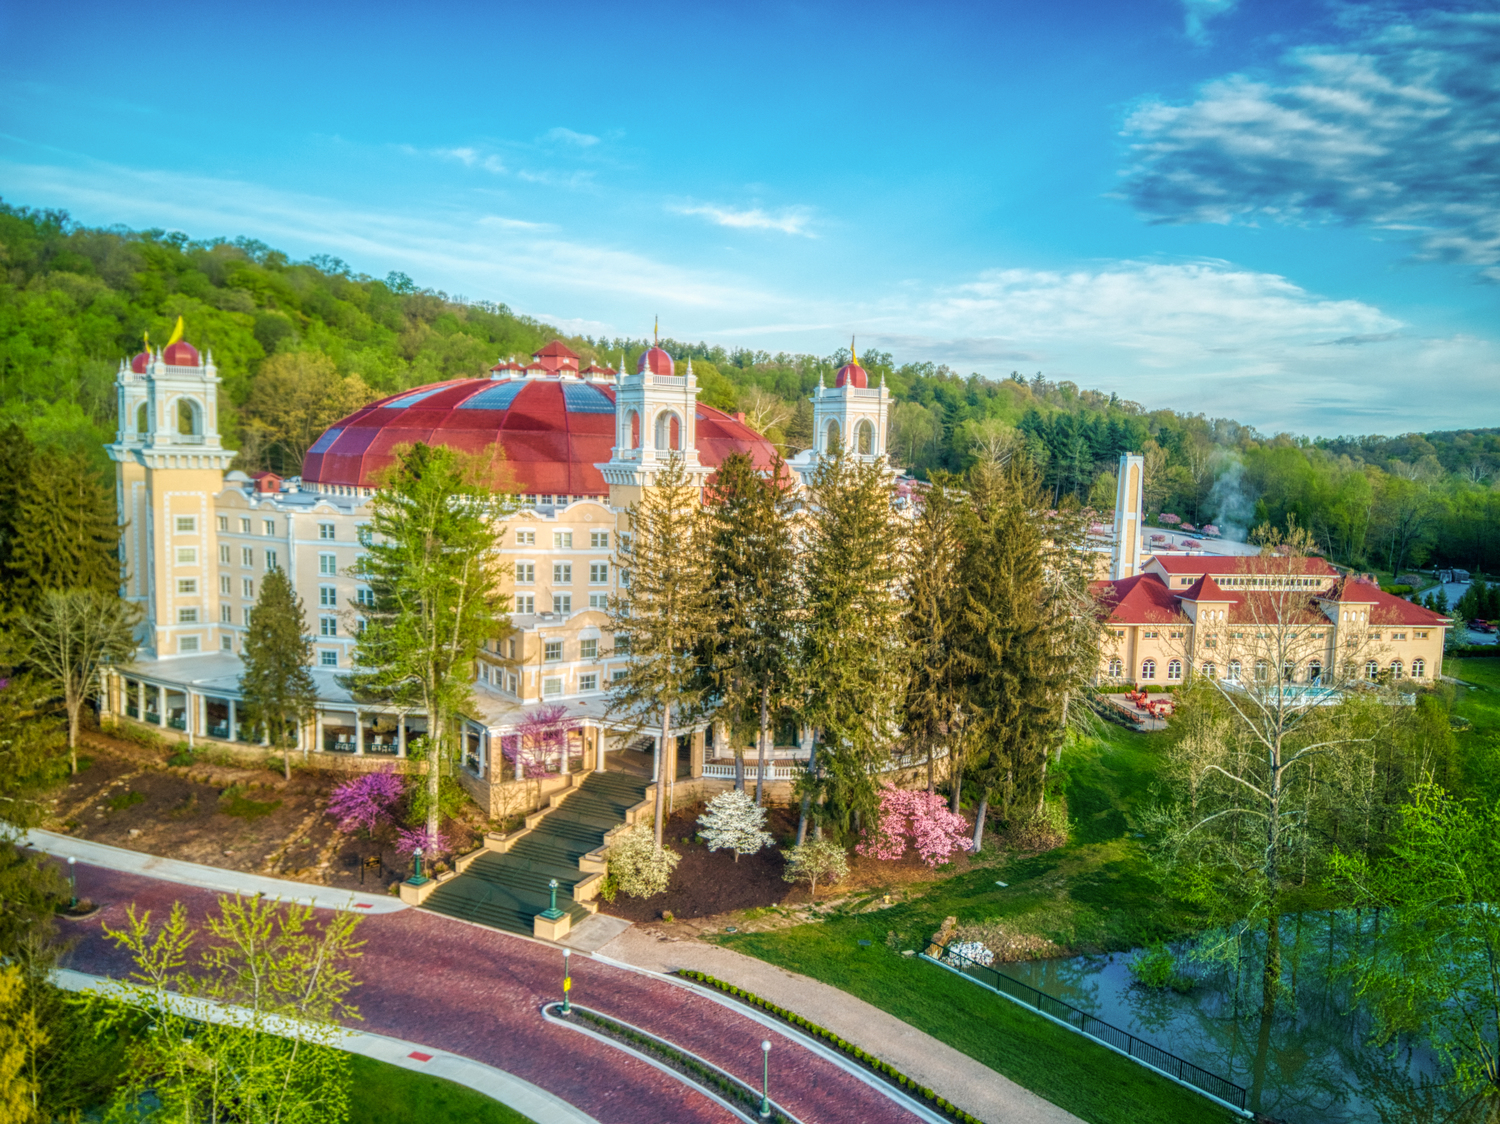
(299, 344)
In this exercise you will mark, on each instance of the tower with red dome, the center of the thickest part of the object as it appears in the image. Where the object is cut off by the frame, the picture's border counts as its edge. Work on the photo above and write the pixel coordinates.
(850, 414)
(656, 417)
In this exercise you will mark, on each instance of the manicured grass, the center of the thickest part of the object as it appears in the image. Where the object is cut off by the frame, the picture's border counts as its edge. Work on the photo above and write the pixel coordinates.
(1098, 893)
(388, 1094)
(1479, 704)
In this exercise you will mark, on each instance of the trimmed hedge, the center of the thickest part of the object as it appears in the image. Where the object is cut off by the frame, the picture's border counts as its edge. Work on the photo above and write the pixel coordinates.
(884, 1069)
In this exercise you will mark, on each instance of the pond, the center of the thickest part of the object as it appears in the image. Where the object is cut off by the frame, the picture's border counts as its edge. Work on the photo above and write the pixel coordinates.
(1311, 1063)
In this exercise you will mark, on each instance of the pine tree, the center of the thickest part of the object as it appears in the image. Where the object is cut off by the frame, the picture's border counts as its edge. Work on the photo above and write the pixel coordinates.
(435, 590)
(276, 684)
(663, 610)
(735, 821)
(749, 652)
(67, 536)
(16, 453)
(852, 652)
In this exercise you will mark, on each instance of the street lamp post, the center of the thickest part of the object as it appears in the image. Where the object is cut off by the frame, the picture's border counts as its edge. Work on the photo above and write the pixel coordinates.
(417, 879)
(73, 881)
(765, 1079)
(552, 913)
(567, 981)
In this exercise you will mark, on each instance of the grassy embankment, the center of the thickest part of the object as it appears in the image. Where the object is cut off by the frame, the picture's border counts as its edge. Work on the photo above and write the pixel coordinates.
(388, 1094)
(1478, 704)
(1097, 893)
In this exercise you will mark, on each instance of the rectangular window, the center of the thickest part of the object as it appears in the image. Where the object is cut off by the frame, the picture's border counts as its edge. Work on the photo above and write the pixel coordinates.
(1398, 636)
(598, 573)
(599, 540)
(328, 626)
(1419, 635)
(325, 530)
(225, 584)
(362, 534)
(562, 602)
(562, 540)
(589, 682)
(245, 612)
(622, 643)
(525, 604)
(224, 523)
(364, 596)
(187, 644)
(510, 683)
(223, 555)
(525, 538)
(270, 525)
(247, 556)
(1149, 634)
(512, 645)
(328, 596)
(226, 642)
(328, 563)
(551, 686)
(247, 588)
(187, 555)
(598, 601)
(226, 614)
(525, 572)
(588, 649)
(186, 524)
(244, 526)
(562, 573)
(552, 651)
(270, 560)
(187, 586)
(617, 674)
(328, 657)
(1175, 634)
(1374, 636)
(187, 616)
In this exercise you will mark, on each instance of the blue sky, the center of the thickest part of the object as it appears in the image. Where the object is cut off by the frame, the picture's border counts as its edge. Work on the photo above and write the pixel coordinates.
(1286, 213)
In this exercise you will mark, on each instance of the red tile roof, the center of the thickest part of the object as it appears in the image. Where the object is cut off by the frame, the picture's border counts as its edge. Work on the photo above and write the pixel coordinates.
(1205, 589)
(1235, 564)
(1143, 599)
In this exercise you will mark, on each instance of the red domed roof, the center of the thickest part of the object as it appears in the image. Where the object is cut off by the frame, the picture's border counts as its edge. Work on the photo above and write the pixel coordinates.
(141, 362)
(181, 354)
(552, 432)
(851, 374)
(659, 360)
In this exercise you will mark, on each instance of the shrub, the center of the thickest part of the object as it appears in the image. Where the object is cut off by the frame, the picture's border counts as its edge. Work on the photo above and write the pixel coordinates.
(820, 858)
(408, 839)
(366, 802)
(1155, 967)
(639, 868)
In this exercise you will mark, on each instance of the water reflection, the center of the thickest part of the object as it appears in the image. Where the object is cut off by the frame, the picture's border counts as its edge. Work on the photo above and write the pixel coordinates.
(1309, 1063)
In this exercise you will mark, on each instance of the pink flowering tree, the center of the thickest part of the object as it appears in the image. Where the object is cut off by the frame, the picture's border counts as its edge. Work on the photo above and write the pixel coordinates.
(915, 819)
(540, 736)
(409, 839)
(366, 802)
(1168, 518)
(1210, 529)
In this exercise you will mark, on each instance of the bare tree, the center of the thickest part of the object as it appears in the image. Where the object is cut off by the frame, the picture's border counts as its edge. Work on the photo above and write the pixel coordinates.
(763, 410)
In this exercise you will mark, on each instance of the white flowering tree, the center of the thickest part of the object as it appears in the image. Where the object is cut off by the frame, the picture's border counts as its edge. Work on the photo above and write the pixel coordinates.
(638, 866)
(735, 821)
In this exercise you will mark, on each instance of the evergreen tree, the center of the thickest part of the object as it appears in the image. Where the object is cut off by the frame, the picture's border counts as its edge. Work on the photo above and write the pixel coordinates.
(69, 637)
(930, 711)
(663, 610)
(276, 682)
(16, 454)
(1013, 681)
(750, 648)
(436, 594)
(852, 652)
(66, 533)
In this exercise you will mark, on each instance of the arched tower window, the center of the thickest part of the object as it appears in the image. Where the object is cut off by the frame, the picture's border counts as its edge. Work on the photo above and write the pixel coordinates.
(142, 418)
(634, 422)
(189, 418)
(864, 438)
(833, 441)
(668, 430)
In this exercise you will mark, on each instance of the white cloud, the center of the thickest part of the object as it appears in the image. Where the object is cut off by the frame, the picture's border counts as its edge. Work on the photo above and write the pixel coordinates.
(788, 220)
(568, 136)
(1399, 130)
(1197, 13)
(471, 158)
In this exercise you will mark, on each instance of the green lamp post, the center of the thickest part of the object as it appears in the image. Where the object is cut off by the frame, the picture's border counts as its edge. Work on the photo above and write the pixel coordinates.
(567, 981)
(417, 877)
(552, 913)
(73, 881)
(765, 1079)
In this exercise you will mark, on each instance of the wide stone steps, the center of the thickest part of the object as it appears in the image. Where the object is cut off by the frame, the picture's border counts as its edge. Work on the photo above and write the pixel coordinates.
(507, 890)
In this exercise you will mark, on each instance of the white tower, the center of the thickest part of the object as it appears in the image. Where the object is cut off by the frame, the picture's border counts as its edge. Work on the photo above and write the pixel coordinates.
(850, 414)
(656, 415)
(1129, 517)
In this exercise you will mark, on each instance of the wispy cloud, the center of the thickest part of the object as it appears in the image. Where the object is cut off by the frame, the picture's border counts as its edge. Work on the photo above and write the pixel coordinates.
(472, 158)
(568, 136)
(1197, 13)
(788, 220)
(1400, 131)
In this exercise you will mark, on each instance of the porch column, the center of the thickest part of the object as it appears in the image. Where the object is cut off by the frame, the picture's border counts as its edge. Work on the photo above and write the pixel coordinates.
(400, 735)
(359, 732)
(599, 749)
(140, 703)
(234, 721)
(563, 742)
(695, 755)
(189, 714)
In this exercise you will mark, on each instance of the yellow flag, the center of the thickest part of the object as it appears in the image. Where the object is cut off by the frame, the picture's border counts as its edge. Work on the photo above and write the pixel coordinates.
(146, 342)
(176, 333)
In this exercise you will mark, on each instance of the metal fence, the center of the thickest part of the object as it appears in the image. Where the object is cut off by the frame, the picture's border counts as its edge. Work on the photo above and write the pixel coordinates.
(1122, 1040)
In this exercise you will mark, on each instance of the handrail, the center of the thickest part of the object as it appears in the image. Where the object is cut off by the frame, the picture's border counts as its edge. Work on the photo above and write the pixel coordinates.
(1179, 1069)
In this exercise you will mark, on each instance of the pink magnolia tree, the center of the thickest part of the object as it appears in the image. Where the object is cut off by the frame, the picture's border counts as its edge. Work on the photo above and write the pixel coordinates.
(410, 839)
(366, 802)
(540, 736)
(915, 819)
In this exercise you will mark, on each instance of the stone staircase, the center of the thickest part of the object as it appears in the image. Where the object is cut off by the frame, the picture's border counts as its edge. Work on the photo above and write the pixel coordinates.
(505, 886)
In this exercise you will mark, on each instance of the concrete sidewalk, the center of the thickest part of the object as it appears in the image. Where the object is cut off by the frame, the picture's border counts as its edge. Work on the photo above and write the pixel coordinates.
(538, 1104)
(973, 1086)
(206, 877)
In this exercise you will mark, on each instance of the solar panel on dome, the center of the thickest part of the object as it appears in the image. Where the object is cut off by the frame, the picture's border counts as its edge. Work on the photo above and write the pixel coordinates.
(325, 442)
(581, 398)
(494, 397)
(412, 399)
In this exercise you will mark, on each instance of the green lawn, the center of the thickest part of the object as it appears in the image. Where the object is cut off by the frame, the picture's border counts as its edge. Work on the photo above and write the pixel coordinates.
(1096, 893)
(388, 1094)
(1479, 705)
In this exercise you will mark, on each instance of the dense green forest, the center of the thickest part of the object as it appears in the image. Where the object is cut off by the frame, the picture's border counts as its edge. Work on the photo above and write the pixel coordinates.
(300, 343)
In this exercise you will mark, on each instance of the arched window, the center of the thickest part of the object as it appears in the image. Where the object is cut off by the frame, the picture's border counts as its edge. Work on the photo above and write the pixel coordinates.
(1288, 671)
(635, 430)
(1262, 670)
(1148, 669)
(1234, 671)
(1116, 668)
(668, 430)
(1315, 672)
(864, 438)
(1174, 669)
(1397, 670)
(188, 417)
(832, 442)
(1419, 668)
(142, 418)
(1210, 671)
(1372, 669)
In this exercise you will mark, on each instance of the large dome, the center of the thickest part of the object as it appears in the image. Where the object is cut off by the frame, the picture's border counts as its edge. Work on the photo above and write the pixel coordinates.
(553, 432)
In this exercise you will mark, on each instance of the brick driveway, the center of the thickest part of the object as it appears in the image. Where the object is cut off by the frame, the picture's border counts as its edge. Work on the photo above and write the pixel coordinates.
(476, 992)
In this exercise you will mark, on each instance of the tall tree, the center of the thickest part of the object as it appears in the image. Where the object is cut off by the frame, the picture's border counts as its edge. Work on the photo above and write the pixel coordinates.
(16, 453)
(68, 537)
(663, 610)
(435, 590)
(750, 648)
(852, 651)
(69, 637)
(276, 682)
(295, 397)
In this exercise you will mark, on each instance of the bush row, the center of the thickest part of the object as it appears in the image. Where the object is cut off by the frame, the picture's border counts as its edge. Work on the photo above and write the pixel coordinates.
(886, 1070)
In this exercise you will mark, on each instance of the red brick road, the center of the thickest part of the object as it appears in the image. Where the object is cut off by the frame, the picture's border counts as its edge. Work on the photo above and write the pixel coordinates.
(477, 992)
